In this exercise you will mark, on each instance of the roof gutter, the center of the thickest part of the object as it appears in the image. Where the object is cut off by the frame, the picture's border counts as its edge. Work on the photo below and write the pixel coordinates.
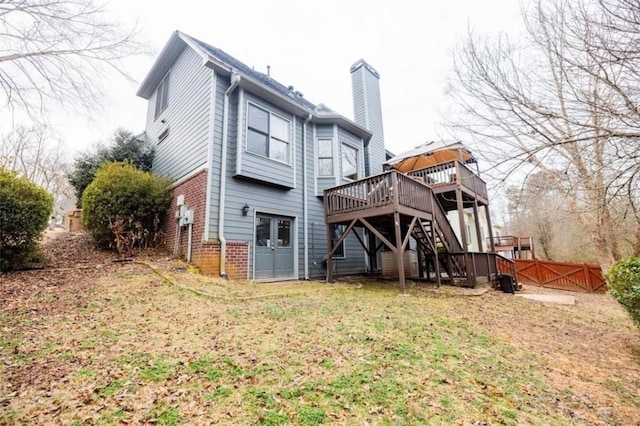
(235, 81)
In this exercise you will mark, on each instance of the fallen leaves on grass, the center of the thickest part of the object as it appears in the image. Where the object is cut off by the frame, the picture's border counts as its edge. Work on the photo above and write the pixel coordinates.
(118, 344)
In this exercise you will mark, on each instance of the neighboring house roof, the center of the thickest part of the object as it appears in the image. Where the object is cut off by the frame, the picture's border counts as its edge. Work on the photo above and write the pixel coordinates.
(261, 83)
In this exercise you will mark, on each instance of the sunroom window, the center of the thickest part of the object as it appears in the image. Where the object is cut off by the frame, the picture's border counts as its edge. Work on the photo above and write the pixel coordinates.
(349, 162)
(325, 157)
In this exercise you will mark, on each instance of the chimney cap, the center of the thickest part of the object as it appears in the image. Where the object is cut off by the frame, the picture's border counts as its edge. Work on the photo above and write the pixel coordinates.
(362, 63)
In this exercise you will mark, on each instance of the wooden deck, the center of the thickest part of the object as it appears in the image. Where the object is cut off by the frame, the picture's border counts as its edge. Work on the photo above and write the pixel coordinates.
(447, 177)
(394, 207)
(379, 195)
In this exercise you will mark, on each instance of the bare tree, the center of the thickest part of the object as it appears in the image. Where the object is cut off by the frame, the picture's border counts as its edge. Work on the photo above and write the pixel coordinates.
(558, 103)
(56, 52)
(36, 155)
(541, 212)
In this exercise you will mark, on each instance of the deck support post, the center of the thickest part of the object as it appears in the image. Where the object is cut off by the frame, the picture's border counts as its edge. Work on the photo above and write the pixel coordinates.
(476, 219)
(399, 251)
(436, 257)
(463, 233)
(492, 242)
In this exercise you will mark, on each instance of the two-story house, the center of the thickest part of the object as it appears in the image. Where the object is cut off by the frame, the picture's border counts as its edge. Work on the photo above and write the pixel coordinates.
(250, 158)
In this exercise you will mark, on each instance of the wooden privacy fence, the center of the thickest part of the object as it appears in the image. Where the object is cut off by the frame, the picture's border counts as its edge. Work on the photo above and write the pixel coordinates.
(563, 276)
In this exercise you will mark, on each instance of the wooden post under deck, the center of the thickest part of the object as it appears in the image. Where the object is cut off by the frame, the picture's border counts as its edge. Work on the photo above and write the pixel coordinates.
(398, 232)
(463, 233)
(399, 251)
(476, 219)
(435, 256)
(491, 240)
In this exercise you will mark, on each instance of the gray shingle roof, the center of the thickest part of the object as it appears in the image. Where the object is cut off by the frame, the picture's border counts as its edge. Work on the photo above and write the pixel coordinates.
(241, 67)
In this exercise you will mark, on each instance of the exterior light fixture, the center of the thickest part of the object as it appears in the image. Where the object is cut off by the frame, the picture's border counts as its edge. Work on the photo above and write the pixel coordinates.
(245, 210)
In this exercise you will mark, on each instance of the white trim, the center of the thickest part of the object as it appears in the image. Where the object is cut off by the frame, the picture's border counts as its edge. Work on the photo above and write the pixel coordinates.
(253, 254)
(270, 111)
(240, 137)
(189, 175)
(292, 153)
(335, 149)
(315, 162)
(212, 129)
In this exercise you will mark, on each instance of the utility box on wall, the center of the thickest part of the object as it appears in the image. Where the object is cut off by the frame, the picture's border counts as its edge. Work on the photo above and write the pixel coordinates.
(390, 265)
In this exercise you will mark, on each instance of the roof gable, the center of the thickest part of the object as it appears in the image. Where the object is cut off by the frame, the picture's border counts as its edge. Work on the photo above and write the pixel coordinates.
(223, 62)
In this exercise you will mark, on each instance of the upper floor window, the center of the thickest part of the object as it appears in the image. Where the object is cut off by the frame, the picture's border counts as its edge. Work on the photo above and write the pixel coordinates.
(162, 95)
(349, 162)
(325, 157)
(267, 134)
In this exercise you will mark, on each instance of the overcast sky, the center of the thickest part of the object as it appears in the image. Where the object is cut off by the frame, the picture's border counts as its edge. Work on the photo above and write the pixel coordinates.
(311, 45)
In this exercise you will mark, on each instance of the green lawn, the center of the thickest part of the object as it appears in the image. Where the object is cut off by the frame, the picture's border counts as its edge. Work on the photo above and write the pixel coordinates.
(123, 344)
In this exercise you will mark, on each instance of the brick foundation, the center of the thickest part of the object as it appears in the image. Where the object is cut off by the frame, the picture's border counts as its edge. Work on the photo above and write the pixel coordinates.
(237, 259)
(204, 254)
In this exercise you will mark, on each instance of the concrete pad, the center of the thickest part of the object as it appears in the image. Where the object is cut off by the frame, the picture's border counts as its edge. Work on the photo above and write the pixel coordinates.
(551, 298)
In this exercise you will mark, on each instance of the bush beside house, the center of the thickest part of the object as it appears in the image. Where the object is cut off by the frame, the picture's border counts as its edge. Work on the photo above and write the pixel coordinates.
(623, 279)
(25, 209)
(123, 205)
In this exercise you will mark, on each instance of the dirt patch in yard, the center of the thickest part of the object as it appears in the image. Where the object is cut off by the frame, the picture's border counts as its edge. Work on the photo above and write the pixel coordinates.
(92, 341)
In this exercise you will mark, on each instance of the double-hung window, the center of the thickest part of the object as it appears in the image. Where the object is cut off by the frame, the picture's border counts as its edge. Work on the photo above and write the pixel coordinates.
(325, 157)
(162, 95)
(268, 134)
(349, 162)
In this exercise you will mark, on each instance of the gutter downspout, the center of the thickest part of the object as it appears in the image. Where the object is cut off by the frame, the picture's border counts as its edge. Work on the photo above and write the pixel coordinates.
(305, 212)
(235, 80)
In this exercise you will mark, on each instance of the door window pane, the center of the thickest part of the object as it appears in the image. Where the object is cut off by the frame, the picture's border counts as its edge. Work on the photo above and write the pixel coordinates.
(263, 232)
(284, 233)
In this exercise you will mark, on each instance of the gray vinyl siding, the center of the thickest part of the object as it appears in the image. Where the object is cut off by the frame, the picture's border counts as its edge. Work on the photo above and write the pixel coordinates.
(261, 168)
(186, 116)
(268, 199)
(222, 84)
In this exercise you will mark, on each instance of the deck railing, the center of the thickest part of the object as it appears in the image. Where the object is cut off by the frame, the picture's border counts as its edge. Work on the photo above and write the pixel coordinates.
(508, 240)
(453, 172)
(506, 266)
(474, 265)
(378, 191)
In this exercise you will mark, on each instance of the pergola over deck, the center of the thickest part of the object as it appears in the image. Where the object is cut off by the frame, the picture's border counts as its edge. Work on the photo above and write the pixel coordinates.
(411, 200)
